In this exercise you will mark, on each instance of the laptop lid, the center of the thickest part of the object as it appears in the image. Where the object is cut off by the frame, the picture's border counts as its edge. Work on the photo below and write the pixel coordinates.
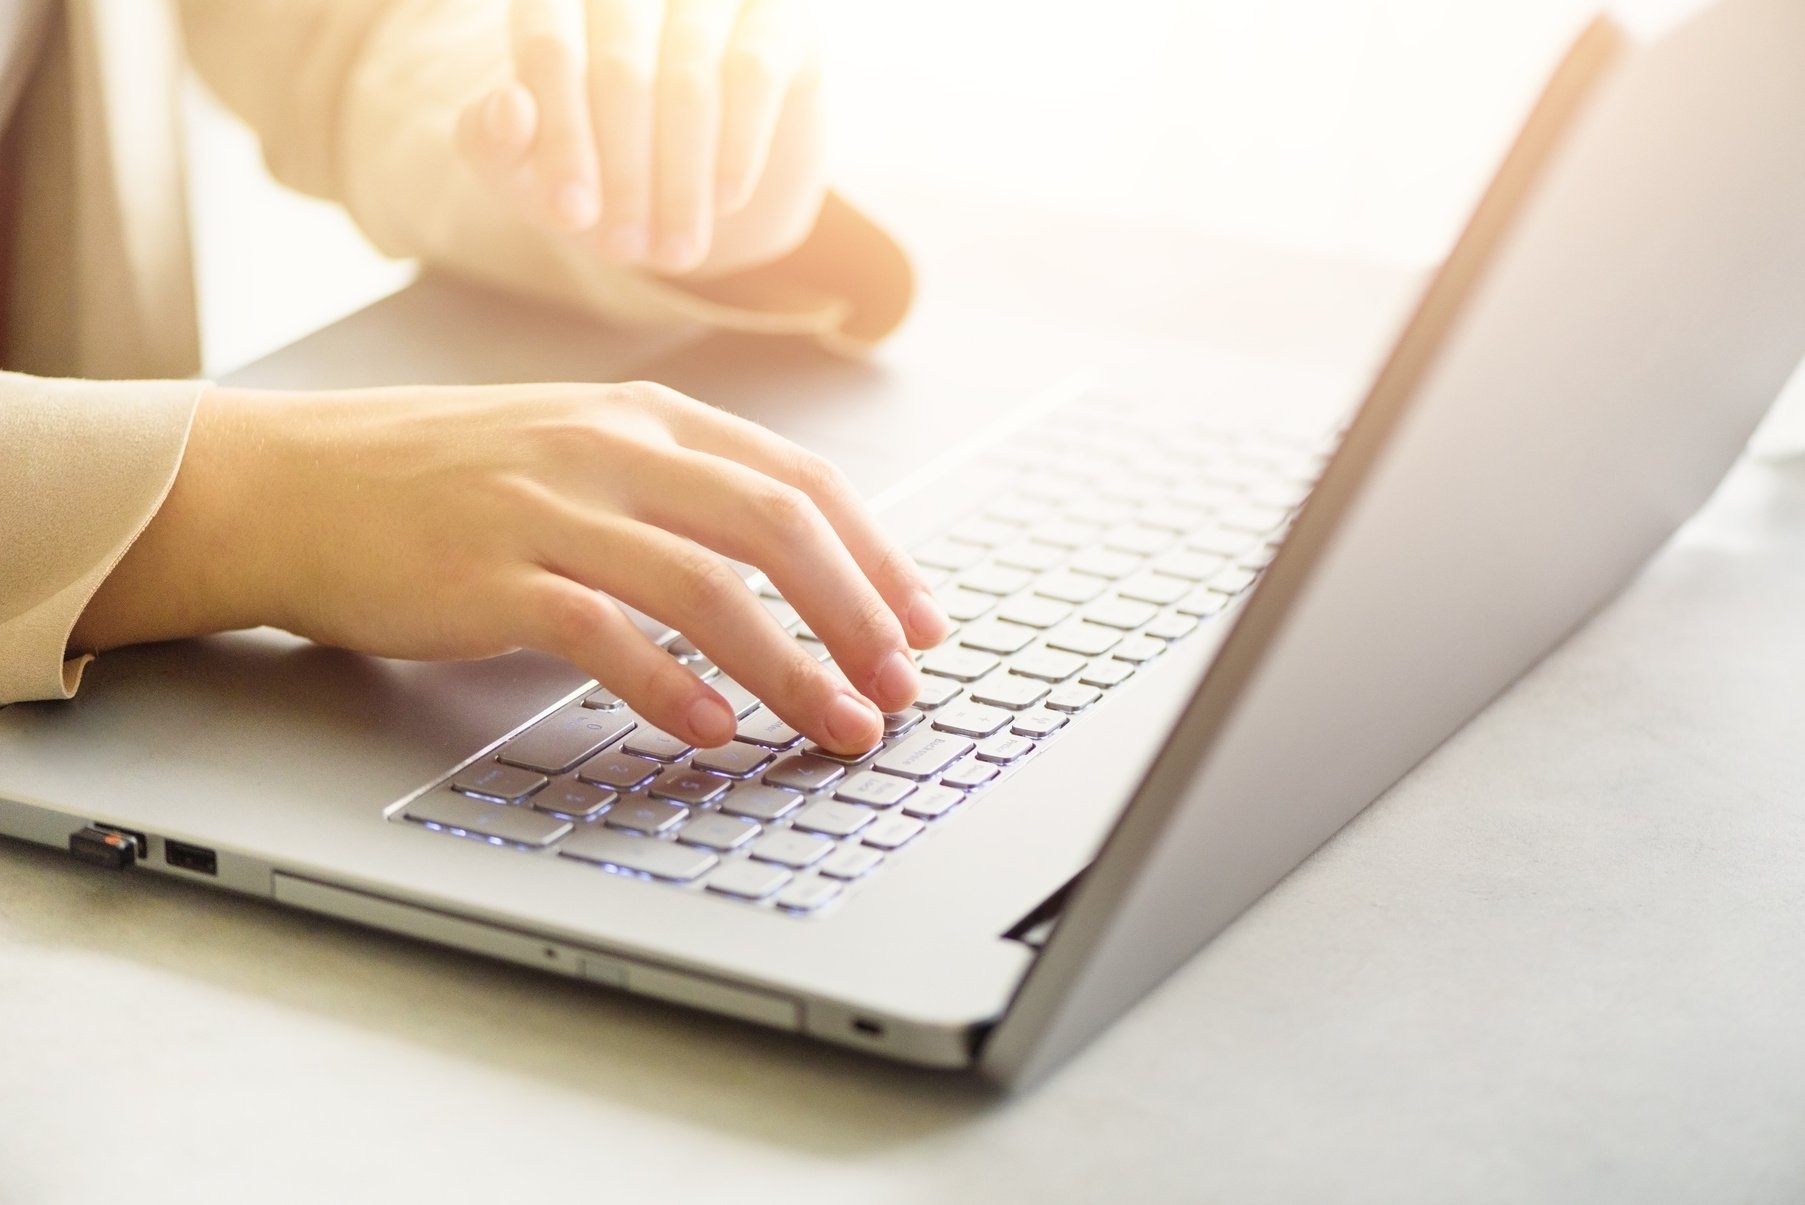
(1626, 303)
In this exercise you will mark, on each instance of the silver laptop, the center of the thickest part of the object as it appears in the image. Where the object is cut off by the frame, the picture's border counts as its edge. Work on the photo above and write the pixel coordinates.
(1190, 649)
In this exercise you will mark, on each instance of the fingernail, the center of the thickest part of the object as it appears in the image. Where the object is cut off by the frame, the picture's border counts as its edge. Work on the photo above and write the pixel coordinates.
(628, 243)
(676, 252)
(852, 722)
(710, 721)
(897, 680)
(577, 206)
(927, 618)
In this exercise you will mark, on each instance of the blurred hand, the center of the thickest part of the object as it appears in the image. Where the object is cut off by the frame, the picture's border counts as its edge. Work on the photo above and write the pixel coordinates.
(461, 523)
(645, 125)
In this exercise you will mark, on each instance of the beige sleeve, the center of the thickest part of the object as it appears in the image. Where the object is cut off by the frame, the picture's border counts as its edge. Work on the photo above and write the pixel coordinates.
(357, 101)
(83, 467)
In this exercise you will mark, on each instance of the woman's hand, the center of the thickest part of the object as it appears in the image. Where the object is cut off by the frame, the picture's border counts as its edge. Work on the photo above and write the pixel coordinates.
(461, 523)
(681, 134)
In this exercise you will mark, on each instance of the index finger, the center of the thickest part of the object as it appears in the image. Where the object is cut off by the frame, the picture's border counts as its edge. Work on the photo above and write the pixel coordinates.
(899, 582)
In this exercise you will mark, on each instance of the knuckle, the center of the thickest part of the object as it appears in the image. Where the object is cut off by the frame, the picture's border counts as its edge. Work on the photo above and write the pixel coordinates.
(748, 70)
(545, 59)
(819, 477)
(619, 70)
(789, 515)
(706, 588)
(801, 679)
(686, 86)
(574, 618)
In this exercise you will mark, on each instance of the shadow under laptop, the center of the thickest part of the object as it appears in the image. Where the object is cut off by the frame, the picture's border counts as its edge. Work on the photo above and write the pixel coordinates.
(731, 1076)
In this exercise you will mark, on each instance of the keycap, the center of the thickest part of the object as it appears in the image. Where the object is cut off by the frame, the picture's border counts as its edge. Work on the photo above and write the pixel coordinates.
(1009, 690)
(657, 744)
(1088, 639)
(1064, 533)
(832, 819)
(1220, 542)
(1016, 509)
(747, 880)
(931, 803)
(937, 692)
(1232, 581)
(1073, 697)
(1004, 748)
(968, 775)
(807, 895)
(961, 665)
(742, 701)
(1066, 586)
(1046, 664)
(715, 831)
(564, 738)
(602, 699)
(579, 800)
(1103, 562)
(1171, 627)
(898, 722)
(1039, 724)
(736, 760)
(782, 612)
(1030, 555)
(687, 786)
(1192, 566)
(789, 848)
(1257, 520)
(1122, 613)
(845, 759)
(763, 728)
(1136, 538)
(996, 636)
(683, 649)
(1034, 612)
(803, 772)
(963, 606)
(874, 790)
(1258, 557)
(617, 770)
(994, 579)
(639, 855)
(448, 809)
(1155, 588)
(949, 554)
(849, 862)
(703, 668)
(1106, 671)
(971, 719)
(637, 814)
(1202, 602)
(1138, 650)
(760, 802)
(814, 648)
(987, 533)
(892, 832)
(923, 754)
(492, 780)
(1172, 516)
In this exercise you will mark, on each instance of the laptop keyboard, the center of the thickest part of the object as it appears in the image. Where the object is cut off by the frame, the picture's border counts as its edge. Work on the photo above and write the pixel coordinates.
(1109, 535)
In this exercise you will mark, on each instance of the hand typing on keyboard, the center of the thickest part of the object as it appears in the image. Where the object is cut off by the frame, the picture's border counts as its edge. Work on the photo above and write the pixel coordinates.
(437, 523)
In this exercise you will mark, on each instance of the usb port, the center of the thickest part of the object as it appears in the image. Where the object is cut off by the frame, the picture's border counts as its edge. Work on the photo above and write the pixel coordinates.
(184, 856)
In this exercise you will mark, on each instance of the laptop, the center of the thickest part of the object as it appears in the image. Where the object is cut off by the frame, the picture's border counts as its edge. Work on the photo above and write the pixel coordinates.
(1191, 647)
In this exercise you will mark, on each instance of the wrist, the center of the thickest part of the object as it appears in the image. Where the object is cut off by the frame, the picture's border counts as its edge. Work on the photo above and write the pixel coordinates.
(198, 565)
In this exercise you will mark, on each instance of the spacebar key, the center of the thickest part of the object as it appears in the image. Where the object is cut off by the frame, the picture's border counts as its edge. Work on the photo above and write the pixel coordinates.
(923, 755)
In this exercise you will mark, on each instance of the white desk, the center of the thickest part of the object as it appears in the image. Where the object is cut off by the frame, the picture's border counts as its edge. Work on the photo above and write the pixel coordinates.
(1563, 961)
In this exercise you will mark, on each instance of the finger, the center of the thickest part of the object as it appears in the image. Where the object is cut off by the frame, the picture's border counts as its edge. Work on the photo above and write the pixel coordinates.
(752, 518)
(688, 129)
(495, 135)
(572, 621)
(680, 584)
(891, 570)
(766, 51)
(623, 60)
(546, 37)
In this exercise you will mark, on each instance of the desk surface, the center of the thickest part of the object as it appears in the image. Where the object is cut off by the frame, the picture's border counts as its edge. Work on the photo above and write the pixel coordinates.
(1562, 961)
